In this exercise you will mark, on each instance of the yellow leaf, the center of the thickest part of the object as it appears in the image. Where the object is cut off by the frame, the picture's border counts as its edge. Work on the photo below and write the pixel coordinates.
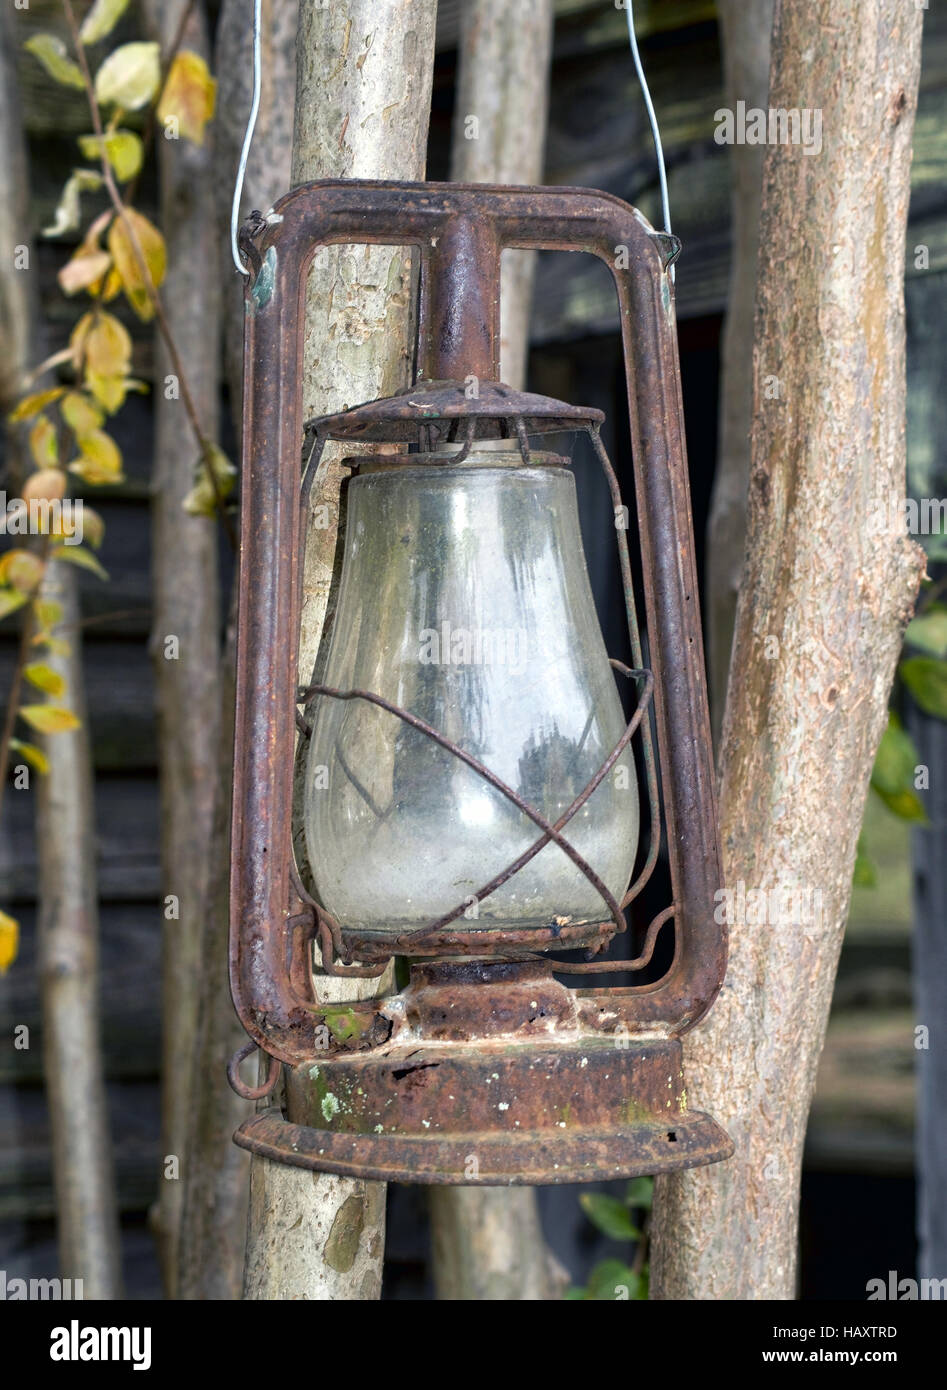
(102, 19)
(217, 469)
(36, 758)
(187, 101)
(123, 150)
(47, 485)
(9, 940)
(67, 211)
(152, 248)
(10, 601)
(100, 459)
(44, 678)
(48, 613)
(31, 405)
(85, 269)
(44, 444)
(129, 77)
(21, 569)
(49, 719)
(51, 51)
(93, 527)
(105, 345)
(109, 391)
(78, 555)
(81, 413)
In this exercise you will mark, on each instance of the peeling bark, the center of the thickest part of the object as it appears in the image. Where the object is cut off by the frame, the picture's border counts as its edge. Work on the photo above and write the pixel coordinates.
(488, 1242)
(362, 108)
(186, 608)
(821, 612)
(216, 1178)
(745, 26)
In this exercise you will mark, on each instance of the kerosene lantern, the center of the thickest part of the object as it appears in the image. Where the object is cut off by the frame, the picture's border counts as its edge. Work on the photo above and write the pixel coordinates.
(471, 802)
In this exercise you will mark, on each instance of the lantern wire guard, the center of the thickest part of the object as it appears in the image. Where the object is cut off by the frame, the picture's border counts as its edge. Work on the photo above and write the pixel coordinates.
(485, 1068)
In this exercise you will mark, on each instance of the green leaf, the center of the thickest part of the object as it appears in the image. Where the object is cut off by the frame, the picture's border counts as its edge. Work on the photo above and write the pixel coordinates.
(895, 761)
(123, 150)
(639, 1193)
(49, 719)
(613, 1280)
(865, 874)
(102, 19)
(78, 555)
(202, 498)
(44, 678)
(36, 758)
(54, 56)
(11, 600)
(609, 1215)
(129, 77)
(926, 678)
(929, 632)
(906, 805)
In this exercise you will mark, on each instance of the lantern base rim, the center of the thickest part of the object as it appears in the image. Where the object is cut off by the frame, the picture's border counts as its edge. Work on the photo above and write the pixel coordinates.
(527, 1158)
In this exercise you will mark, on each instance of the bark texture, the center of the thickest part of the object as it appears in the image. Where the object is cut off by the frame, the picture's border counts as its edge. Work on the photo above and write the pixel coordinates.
(216, 1177)
(746, 26)
(185, 638)
(805, 711)
(362, 108)
(487, 1241)
(86, 1216)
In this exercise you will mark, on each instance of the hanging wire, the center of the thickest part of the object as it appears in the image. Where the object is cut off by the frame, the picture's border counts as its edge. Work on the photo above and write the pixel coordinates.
(652, 118)
(247, 141)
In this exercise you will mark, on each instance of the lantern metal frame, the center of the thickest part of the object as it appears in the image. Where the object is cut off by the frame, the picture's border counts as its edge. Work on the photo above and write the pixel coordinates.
(609, 1060)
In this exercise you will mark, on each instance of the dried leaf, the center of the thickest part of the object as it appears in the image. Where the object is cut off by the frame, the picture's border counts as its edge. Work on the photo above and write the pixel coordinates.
(129, 77)
(102, 19)
(123, 150)
(68, 212)
(85, 269)
(51, 51)
(21, 569)
(81, 413)
(31, 405)
(49, 719)
(44, 443)
(48, 485)
(36, 758)
(188, 97)
(44, 678)
(152, 247)
(9, 940)
(93, 527)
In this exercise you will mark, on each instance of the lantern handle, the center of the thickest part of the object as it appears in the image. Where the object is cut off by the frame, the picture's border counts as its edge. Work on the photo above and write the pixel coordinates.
(247, 141)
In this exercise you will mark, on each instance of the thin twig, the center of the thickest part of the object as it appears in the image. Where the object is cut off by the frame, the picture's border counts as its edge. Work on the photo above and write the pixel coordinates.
(204, 443)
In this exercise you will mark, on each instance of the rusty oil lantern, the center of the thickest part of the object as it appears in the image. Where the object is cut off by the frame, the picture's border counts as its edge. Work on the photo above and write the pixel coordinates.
(471, 802)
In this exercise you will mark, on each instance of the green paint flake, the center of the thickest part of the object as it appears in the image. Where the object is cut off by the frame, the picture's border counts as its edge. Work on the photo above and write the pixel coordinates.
(265, 282)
